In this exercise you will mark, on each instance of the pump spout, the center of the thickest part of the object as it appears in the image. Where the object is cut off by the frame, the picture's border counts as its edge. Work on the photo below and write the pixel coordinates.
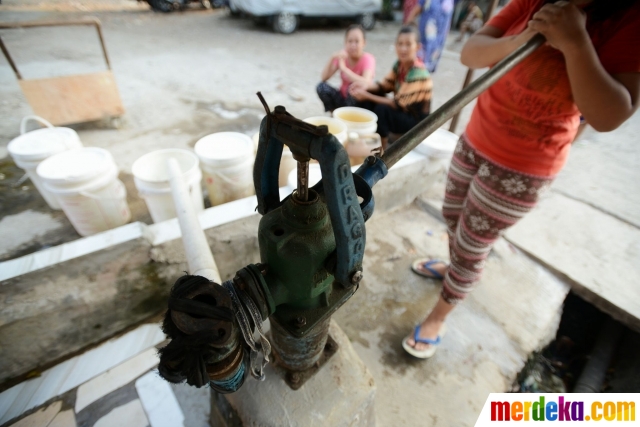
(205, 347)
(199, 256)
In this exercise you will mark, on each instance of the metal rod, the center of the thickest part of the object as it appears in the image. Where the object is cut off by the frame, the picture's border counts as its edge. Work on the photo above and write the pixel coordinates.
(31, 24)
(415, 136)
(104, 47)
(199, 257)
(303, 181)
(9, 59)
(469, 76)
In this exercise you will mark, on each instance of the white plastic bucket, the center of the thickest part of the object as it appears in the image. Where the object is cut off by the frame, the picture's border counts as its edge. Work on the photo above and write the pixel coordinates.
(85, 182)
(439, 145)
(336, 127)
(151, 176)
(227, 162)
(357, 119)
(31, 148)
(287, 163)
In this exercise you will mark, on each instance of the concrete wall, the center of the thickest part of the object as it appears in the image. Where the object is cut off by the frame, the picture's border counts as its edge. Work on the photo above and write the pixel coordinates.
(57, 310)
(63, 299)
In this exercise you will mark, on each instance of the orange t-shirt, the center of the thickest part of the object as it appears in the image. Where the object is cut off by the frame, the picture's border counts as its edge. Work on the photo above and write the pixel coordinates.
(527, 120)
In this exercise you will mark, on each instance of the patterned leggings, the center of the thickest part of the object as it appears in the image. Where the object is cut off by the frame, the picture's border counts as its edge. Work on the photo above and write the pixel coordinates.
(482, 199)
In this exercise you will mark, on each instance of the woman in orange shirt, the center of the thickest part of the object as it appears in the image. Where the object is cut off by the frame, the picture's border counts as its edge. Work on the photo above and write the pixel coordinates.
(522, 127)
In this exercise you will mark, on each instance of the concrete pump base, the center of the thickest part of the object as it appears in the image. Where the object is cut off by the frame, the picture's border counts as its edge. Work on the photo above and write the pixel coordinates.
(340, 394)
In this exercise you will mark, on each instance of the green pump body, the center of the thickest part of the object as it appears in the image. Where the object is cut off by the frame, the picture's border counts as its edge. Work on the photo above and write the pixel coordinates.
(296, 241)
(312, 246)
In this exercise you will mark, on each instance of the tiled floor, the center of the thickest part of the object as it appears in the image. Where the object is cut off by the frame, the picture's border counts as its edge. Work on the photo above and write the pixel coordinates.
(114, 384)
(131, 414)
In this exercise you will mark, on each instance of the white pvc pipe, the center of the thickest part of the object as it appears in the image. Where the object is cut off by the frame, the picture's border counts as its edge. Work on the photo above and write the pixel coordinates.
(199, 257)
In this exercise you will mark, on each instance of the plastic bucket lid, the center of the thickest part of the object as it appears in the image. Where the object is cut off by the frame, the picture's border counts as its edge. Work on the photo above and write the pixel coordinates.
(76, 169)
(71, 136)
(39, 144)
(224, 148)
(152, 167)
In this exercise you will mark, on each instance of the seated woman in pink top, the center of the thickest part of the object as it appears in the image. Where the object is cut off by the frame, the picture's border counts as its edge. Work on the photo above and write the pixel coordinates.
(355, 65)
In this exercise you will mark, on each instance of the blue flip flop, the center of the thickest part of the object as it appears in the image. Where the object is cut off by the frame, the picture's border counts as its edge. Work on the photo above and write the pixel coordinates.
(429, 351)
(426, 264)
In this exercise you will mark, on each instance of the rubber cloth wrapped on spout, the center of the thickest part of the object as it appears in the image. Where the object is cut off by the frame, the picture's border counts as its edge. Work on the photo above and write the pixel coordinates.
(191, 347)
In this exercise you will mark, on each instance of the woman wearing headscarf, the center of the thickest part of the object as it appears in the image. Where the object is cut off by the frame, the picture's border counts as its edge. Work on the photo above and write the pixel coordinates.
(434, 25)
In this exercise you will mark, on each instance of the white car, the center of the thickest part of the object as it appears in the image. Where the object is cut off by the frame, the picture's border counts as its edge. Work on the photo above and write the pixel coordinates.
(285, 15)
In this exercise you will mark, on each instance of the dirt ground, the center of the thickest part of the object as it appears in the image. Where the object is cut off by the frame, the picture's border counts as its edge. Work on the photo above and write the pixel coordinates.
(181, 76)
(186, 74)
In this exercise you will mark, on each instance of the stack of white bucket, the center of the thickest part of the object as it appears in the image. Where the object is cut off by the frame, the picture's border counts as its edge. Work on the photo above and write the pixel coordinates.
(83, 182)
(31, 148)
(151, 176)
(226, 160)
(227, 163)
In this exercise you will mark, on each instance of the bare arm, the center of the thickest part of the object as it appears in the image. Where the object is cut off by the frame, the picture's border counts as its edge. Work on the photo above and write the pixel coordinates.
(368, 96)
(487, 47)
(604, 100)
(362, 93)
(329, 69)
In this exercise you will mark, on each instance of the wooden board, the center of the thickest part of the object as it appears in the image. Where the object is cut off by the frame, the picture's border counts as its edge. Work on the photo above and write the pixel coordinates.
(597, 252)
(74, 99)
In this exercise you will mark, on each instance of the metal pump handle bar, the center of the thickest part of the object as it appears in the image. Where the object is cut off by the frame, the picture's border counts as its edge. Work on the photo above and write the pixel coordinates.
(415, 136)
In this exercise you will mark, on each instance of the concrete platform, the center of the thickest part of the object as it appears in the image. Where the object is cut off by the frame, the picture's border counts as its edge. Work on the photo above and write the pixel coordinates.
(490, 334)
(341, 394)
(70, 296)
(587, 228)
(515, 310)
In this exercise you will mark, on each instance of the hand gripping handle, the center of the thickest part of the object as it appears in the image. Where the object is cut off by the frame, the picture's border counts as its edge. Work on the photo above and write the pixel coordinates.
(310, 142)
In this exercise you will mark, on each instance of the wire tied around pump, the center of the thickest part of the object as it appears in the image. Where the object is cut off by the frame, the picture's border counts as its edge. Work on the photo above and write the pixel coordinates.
(242, 304)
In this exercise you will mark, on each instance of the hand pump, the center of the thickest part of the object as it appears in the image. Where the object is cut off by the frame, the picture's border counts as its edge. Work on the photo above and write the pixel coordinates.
(311, 249)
